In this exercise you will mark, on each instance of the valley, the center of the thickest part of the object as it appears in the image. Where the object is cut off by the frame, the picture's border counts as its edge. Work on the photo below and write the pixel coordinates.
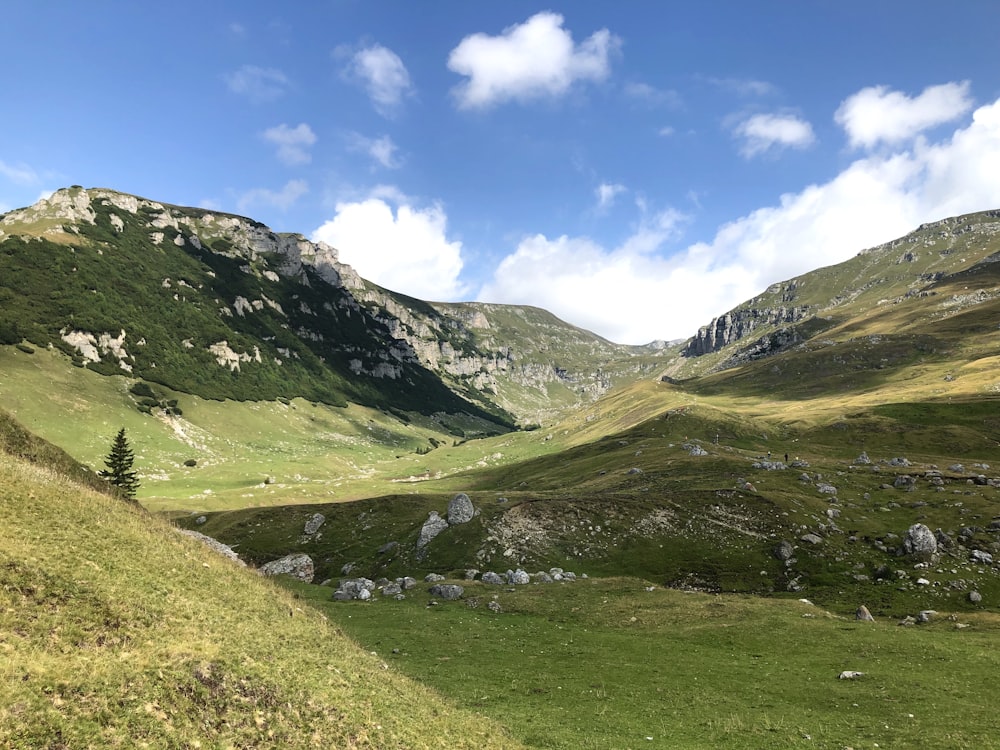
(732, 500)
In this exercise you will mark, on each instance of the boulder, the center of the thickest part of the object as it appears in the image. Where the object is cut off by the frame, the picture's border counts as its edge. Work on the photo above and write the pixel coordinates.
(298, 565)
(904, 482)
(811, 538)
(433, 578)
(490, 577)
(518, 577)
(447, 591)
(313, 523)
(354, 588)
(863, 614)
(783, 551)
(460, 509)
(862, 460)
(920, 543)
(980, 557)
(433, 526)
(975, 597)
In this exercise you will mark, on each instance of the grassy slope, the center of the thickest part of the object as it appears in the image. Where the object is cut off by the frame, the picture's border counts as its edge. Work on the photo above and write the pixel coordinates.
(115, 631)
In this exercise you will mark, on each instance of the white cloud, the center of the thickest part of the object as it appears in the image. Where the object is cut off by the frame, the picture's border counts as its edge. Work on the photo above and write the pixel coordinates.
(635, 293)
(876, 114)
(606, 194)
(257, 84)
(293, 143)
(385, 78)
(653, 96)
(535, 59)
(747, 87)
(381, 150)
(406, 250)
(766, 132)
(666, 131)
(20, 174)
(282, 199)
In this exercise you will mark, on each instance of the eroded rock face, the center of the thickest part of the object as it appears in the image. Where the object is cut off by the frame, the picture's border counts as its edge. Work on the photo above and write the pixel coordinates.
(739, 324)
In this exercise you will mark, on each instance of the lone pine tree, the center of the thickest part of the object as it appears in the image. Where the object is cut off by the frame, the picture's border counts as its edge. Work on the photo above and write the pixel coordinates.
(119, 462)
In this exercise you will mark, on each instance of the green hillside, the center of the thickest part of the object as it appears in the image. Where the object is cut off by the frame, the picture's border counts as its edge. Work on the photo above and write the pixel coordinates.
(117, 631)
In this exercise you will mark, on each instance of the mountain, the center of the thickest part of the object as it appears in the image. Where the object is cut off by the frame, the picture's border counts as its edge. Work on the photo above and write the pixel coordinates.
(935, 272)
(219, 306)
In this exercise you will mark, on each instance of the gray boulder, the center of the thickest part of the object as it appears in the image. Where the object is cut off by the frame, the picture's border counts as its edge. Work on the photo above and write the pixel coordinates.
(518, 577)
(490, 577)
(899, 461)
(460, 509)
(447, 591)
(863, 614)
(297, 565)
(904, 482)
(354, 588)
(811, 538)
(433, 577)
(433, 526)
(313, 523)
(862, 460)
(391, 589)
(920, 542)
(981, 557)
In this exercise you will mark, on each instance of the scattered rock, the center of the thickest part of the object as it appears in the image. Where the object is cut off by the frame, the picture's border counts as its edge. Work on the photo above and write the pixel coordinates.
(471, 573)
(215, 544)
(811, 538)
(905, 482)
(634, 470)
(447, 591)
(200, 520)
(433, 526)
(297, 565)
(863, 614)
(926, 615)
(981, 557)
(849, 674)
(783, 551)
(494, 606)
(433, 578)
(826, 489)
(862, 460)
(518, 577)
(899, 461)
(908, 622)
(975, 597)
(354, 588)
(460, 509)
(313, 523)
(920, 543)
(491, 577)
(387, 547)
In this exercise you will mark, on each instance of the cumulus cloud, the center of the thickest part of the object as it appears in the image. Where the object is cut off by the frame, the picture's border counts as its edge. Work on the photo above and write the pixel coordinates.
(382, 150)
(876, 114)
(282, 199)
(532, 60)
(397, 245)
(644, 293)
(293, 143)
(768, 132)
(384, 76)
(606, 194)
(258, 84)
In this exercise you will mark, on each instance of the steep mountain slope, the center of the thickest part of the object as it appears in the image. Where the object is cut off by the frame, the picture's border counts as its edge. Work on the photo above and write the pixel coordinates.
(221, 307)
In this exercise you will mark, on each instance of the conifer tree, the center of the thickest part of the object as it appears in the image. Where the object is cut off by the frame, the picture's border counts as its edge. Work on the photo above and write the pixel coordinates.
(119, 472)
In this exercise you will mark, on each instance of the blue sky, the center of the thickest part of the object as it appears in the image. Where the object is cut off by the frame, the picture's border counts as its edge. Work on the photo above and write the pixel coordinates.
(637, 168)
